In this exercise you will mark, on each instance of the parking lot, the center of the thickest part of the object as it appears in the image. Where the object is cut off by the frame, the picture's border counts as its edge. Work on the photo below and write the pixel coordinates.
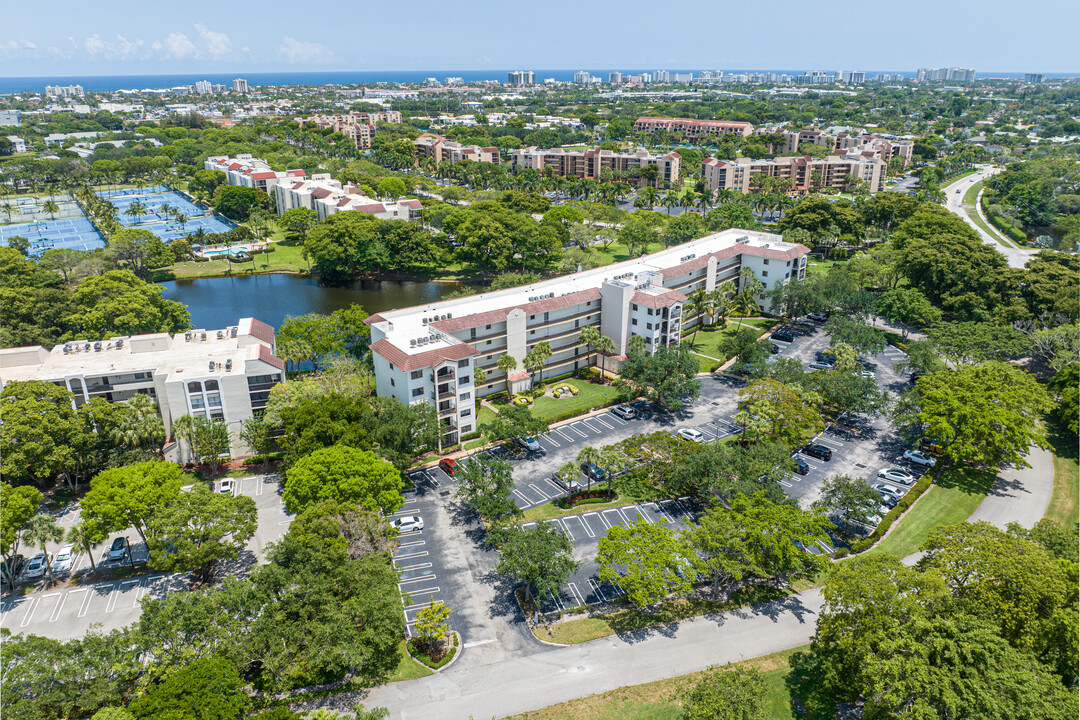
(64, 612)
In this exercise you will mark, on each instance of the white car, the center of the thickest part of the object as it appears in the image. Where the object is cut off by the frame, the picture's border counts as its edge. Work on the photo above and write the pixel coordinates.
(896, 475)
(64, 560)
(36, 567)
(225, 487)
(920, 458)
(529, 444)
(572, 484)
(890, 490)
(690, 434)
(408, 523)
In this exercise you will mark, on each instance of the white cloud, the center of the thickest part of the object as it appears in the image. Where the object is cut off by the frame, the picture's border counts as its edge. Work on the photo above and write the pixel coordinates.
(94, 45)
(303, 51)
(217, 43)
(177, 45)
(29, 45)
(120, 49)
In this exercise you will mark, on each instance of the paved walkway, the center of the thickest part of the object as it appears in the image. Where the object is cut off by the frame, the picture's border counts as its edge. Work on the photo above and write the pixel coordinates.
(1016, 257)
(516, 685)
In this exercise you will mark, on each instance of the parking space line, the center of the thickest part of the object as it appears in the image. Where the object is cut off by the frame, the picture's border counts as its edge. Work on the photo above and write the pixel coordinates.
(576, 594)
(411, 544)
(418, 566)
(661, 511)
(30, 607)
(60, 605)
(616, 418)
(607, 525)
(86, 603)
(114, 593)
(564, 436)
(562, 526)
(596, 589)
(785, 483)
(555, 598)
(540, 492)
(422, 578)
(547, 436)
(828, 441)
(425, 591)
(584, 525)
(575, 429)
(423, 553)
(600, 419)
(521, 496)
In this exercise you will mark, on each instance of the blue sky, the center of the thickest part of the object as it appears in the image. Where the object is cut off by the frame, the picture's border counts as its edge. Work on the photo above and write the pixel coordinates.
(122, 37)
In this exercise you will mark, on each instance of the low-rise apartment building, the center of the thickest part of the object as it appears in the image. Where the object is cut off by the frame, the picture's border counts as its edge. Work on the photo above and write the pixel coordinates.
(431, 353)
(359, 127)
(443, 150)
(807, 174)
(326, 196)
(247, 171)
(846, 143)
(692, 128)
(590, 163)
(222, 374)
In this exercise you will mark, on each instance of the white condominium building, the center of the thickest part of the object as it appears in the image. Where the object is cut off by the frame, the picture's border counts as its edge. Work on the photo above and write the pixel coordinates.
(430, 353)
(218, 374)
(247, 171)
(744, 175)
(326, 196)
(691, 127)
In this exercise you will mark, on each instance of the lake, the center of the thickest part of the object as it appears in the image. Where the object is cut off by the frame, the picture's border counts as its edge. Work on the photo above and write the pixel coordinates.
(218, 302)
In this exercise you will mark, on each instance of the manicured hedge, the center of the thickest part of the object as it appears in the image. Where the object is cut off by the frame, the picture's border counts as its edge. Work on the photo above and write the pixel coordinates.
(905, 502)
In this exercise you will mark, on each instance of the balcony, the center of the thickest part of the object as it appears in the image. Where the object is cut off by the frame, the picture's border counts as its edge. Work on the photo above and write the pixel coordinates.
(447, 406)
(448, 390)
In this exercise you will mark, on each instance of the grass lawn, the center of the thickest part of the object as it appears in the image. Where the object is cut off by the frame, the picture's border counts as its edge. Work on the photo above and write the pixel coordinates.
(630, 618)
(970, 199)
(590, 396)
(659, 700)
(817, 266)
(952, 500)
(1065, 502)
(484, 415)
(285, 258)
(407, 669)
(710, 341)
(617, 252)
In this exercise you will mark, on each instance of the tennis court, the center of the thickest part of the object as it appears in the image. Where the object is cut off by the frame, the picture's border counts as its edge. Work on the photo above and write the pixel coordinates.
(76, 233)
(26, 208)
(170, 231)
(153, 202)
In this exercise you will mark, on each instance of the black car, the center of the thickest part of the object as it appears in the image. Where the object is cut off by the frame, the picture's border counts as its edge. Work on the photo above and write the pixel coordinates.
(593, 470)
(816, 451)
(826, 356)
(785, 335)
(774, 348)
(801, 466)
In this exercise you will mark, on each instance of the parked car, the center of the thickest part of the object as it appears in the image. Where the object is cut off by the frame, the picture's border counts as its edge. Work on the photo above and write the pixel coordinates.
(918, 457)
(816, 451)
(820, 365)
(801, 466)
(785, 335)
(408, 523)
(529, 443)
(449, 466)
(568, 484)
(819, 317)
(624, 411)
(690, 434)
(887, 500)
(119, 549)
(642, 409)
(890, 490)
(774, 348)
(65, 559)
(593, 471)
(896, 475)
(36, 567)
(826, 356)
(226, 487)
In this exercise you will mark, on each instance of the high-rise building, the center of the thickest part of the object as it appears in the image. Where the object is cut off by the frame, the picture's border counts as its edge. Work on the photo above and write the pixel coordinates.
(851, 77)
(204, 87)
(240, 85)
(615, 77)
(431, 82)
(662, 76)
(66, 91)
(454, 82)
(581, 77)
(522, 78)
(1034, 77)
(954, 74)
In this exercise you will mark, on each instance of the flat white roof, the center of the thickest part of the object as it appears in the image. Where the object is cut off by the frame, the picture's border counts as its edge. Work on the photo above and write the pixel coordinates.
(405, 324)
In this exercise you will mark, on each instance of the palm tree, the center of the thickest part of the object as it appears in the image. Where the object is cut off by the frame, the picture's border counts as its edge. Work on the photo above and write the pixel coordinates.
(704, 202)
(749, 286)
(540, 353)
(135, 210)
(724, 195)
(590, 455)
(670, 200)
(50, 207)
(507, 363)
(696, 307)
(8, 209)
(42, 529)
(636, 344)
(590, 338)
(721, 300)
(649, 196)
(181, 219)
(83, 537)
(166, 210)
(605, 346)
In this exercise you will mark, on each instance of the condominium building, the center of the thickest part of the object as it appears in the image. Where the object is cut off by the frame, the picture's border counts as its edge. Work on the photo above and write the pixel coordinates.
(590, 163)
(581, 77)
(240, 85)
(63, 91)
(443, 150)
(692, 128)
(431, 353)
(247, 171)
(844, 142)
(357, 126)
(1034, 78)
(521, 78)
(615, 78)
(851, 77)
(9, 118)
(222, 374)
(807, 174)
(18, 145)
(945, 75)
(326, 196)
(204, 87)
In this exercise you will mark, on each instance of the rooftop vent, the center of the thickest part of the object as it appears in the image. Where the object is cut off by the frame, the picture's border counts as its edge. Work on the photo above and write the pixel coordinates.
(202, 336)
(228, 365)
(187, 337)
(742, 240)
(211, 366)
(220, 334)
(119, 343)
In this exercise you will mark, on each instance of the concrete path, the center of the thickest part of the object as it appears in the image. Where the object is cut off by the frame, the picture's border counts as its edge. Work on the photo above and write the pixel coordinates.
(475, 689)
(1016, 257)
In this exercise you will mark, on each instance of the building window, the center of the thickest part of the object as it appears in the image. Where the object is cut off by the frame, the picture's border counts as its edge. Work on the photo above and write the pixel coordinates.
(194, 387)
(633, 321)
(463, 363)
(765, 261)
(465, 380)
(466, 412)
(465, 396)
(648, 326)
(764, 273)
(487, 327)
(466, 429)
(214, 400)
(211, 385)
(633, 306)
(417, 374)
(417, 392)
(392, 383)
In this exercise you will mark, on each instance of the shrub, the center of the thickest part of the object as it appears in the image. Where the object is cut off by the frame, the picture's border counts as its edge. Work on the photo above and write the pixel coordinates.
(260, 459)
(201, 259)
(574, 391)
(905, 502)
(470, 436)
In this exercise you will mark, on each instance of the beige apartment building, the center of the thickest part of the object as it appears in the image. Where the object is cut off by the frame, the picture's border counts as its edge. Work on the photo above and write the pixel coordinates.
(842, 143)
(430, 353)
(692, 128)
(326, 196)
(222, 374)
(590, 163)
(443, 150)
(359, 127)
(807, 174)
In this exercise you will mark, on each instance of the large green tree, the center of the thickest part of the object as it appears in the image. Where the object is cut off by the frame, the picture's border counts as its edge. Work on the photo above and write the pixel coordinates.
(208, 688)
(132, 496)
(541, 557)
(119, 303)
(17, 506)
(486, 487)
(727, 694)
(649, 561)
(344, 474)
(667, 377)
(41, 431)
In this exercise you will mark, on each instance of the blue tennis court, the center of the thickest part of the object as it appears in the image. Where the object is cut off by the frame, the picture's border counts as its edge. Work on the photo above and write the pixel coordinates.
(75, 233)
(152, 202)
(210, 223)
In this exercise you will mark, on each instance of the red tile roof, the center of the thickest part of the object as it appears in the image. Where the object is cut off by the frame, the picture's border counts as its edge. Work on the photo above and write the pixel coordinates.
(264, 175)
(499, 315)
(320, 193)
(519, 375)
(235, 166)
(658, 300)
(269, 358)
(429, 358)
(414, 204)
(371, 208)
(260, 330)
(296, 173)
(343, 201)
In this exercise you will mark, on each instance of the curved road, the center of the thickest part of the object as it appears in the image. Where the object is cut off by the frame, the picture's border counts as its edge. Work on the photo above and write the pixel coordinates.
(1016, 257)
(507, 686)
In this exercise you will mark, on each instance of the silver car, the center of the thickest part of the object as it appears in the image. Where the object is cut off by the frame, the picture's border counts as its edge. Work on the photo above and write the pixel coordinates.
(890, 490)
(64, 560)
(36, 567)
(690, 434)
(920, 458)
(896, 475)
(530, 444)
(572, 484)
